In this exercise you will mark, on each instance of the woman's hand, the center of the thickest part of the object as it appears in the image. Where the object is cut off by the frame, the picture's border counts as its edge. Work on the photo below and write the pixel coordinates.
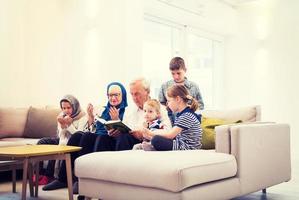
(113, 132)
(90, 114)
(68, 120)
(114, 113)
(90, 110)
(61, 121)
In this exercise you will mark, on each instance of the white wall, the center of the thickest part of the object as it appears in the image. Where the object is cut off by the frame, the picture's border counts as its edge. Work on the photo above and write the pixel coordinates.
(262, 62)
(53, 47)
(49, 48)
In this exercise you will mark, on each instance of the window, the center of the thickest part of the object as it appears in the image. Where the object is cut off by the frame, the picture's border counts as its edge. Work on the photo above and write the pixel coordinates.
(164, 40)
(200, 65)
(159, 42)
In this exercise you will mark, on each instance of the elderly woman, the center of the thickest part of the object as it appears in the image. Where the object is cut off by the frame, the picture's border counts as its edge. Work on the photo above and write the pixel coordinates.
(71, 119)
(114, 110)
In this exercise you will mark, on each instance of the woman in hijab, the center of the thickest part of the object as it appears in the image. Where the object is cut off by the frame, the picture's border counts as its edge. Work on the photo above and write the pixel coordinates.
(71, 119)
(114, 110)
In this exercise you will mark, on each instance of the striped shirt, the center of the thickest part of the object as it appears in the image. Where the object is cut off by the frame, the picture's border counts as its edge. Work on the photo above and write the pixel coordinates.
(156, 124)
(190, 137)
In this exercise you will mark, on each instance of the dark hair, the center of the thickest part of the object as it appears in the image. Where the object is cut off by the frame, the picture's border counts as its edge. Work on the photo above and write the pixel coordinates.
(177, 63)
(181, 91)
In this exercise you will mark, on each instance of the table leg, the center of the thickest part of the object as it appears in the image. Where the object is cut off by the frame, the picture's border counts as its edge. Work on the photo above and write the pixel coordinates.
(37, 178)
(24, 184)
(69, 175)
(30, 176)
(14, 179)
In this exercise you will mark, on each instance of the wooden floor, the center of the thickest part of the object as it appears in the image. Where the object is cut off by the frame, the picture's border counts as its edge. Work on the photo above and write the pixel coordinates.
(284, 191)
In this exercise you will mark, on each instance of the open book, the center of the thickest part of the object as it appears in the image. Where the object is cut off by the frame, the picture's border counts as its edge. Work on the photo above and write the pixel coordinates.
(114, 124)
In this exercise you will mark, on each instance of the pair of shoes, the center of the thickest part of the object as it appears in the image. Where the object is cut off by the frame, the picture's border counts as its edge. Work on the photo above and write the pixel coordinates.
(76, 188)
(54, 185)
(80, 197)
(44, 180)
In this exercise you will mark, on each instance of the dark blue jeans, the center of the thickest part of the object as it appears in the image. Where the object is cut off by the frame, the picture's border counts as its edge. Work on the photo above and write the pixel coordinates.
(161, 143)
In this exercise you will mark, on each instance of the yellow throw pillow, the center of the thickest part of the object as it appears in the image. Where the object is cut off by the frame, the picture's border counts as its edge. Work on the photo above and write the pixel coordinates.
(208, 127)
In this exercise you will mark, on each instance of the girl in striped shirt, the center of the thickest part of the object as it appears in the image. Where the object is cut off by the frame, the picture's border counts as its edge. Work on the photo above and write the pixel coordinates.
(186, 132)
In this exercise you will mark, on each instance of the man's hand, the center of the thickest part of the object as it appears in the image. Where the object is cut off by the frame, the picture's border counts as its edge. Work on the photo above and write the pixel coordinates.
(138, 134)
(147, 134)
(113, 132)
(114, 113)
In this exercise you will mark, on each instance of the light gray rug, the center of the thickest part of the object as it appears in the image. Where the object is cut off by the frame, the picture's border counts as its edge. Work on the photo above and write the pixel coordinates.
(9, 196)
(58, 195)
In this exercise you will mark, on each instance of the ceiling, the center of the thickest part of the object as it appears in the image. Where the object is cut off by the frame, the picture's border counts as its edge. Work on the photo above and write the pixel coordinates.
(197, 6)
(235, 3)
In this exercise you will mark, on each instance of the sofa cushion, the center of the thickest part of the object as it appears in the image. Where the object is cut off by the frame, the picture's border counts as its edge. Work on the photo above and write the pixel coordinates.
(208, 126)
(246, 114)
(12, 122)
(168, 170)
(41, 123)
(208, 131)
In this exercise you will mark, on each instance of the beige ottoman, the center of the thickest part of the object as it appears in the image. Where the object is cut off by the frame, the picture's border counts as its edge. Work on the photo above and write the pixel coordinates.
(154, 175)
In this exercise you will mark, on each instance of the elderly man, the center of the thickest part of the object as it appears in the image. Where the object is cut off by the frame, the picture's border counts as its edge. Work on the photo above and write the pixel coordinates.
(134, 118)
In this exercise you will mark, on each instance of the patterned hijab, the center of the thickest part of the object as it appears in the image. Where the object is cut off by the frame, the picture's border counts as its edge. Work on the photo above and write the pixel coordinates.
(74, 103)
(122, 106)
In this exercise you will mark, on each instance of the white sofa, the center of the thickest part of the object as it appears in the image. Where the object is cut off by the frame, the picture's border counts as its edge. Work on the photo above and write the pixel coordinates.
(250, 156)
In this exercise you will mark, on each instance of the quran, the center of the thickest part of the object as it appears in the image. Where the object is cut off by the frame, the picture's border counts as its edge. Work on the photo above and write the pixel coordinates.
(114, 124)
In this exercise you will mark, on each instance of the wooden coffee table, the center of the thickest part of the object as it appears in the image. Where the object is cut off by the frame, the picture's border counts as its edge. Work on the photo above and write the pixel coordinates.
(31, 155)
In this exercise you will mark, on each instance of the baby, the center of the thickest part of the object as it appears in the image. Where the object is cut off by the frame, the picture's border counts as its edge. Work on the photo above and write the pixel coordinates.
(152, 122)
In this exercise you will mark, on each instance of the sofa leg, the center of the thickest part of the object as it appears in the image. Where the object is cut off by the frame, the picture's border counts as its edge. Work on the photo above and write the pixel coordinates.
(264, 191)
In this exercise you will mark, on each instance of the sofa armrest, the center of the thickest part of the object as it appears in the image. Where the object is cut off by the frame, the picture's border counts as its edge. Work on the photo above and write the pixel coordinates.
(223, 136)
(222, 139)
(263, 156)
